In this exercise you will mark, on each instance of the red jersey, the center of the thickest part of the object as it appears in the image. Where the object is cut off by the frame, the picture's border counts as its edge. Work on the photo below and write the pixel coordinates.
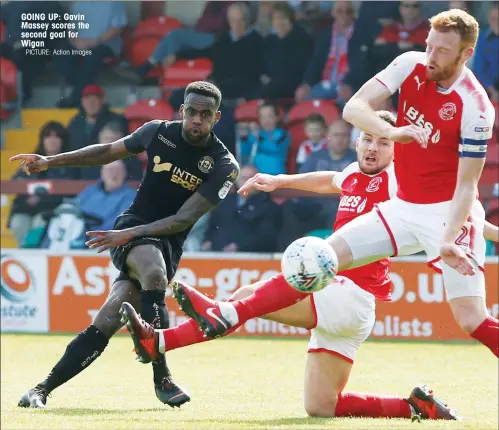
(359, 194)
(460, 120)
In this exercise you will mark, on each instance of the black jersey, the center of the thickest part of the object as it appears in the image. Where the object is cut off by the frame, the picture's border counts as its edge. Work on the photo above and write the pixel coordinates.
(176, 170)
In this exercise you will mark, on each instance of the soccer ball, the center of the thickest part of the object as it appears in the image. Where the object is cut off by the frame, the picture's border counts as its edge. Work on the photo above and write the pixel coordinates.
(309, 264)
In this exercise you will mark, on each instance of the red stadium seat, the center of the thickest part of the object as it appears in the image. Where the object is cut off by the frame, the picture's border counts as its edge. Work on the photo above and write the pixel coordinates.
(146, 110)
(296, 117)
(183, 72)
(156, 26)
(2, 31)
(146, 37)
(493, 151)
(248, 111)
(8, 87)
(490, 174)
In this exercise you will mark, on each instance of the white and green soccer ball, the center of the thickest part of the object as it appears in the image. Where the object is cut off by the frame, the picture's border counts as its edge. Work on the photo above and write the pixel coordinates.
(309, 264)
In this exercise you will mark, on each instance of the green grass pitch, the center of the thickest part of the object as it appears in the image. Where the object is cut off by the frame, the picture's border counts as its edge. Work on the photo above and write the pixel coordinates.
(239, 384)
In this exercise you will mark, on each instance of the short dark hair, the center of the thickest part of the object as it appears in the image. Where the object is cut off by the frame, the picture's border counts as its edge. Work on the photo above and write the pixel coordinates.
(316, 118)
(387, 116)
(204, 88)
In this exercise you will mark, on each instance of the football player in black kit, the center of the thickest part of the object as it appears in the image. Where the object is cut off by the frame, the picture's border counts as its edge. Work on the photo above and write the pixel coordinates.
(189, 172)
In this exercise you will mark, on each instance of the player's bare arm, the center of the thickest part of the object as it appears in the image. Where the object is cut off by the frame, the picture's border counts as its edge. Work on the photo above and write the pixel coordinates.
(93, 155)
(491, 232)
(468, 175)
(360, 111)
(318, 182)
(193, 209)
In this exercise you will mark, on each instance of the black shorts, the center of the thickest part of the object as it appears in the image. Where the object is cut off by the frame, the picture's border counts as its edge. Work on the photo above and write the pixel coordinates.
(171, 252)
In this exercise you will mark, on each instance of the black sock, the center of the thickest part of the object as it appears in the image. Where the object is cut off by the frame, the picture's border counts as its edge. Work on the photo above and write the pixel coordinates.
(81, 352)
(144, 69)
(153, 310)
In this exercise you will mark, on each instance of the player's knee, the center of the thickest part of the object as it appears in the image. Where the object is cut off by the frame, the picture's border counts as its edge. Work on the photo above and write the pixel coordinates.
(320, 407)
(153, 277)
(469, 322)
(243, 292)
(468, 312)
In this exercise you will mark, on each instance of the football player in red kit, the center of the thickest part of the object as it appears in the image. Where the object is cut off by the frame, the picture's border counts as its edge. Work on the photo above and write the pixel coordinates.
(340, 317)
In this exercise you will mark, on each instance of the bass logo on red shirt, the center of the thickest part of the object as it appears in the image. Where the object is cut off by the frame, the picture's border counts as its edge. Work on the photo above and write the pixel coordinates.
(447, 111)
(374, 184)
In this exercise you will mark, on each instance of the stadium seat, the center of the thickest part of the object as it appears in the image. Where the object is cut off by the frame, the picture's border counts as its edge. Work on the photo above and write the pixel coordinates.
(248, 111)
(493, 152)
(21, 140)
(2, 31)
(146, 37)
(8, 87)
(147, 110)
(490, 174)
(156, 26)
(183, 72)
(295, 123)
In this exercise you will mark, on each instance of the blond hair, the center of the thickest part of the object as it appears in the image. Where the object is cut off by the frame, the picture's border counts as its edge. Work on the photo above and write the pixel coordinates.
(459, 21)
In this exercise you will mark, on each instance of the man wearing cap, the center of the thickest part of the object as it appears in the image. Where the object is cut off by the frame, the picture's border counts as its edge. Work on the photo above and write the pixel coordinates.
(94, 114)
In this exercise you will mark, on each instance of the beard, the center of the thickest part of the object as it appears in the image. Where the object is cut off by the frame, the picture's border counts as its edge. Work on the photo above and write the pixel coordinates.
(444, 73)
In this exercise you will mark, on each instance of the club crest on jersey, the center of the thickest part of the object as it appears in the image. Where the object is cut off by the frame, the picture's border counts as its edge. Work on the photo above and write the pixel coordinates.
(206, 164)
(374, 184)
(447, 111)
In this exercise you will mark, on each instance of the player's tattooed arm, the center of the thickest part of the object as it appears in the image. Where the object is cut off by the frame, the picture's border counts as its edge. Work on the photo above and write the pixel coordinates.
(491, 232)
(193, 209)
(93, 155)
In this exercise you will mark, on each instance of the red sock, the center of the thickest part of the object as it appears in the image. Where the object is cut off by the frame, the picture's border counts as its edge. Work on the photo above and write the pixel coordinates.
(371, 405)
(184, 334)
(487, 333)
(273, 295)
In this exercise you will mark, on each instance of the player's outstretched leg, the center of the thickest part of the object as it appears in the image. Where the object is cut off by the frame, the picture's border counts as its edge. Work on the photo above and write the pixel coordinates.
(144, 336)
(85, 348)
(147, 264)
(217, 318)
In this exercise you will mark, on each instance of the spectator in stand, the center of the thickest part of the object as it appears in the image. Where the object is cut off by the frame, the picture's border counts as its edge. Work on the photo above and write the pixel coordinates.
(285, 56)
(111, 132)
(315, 130)
(11, 48)
(106, 21)
(211, 24)
(407, 34)
(296, 212)
(329, 64)
(108, 198)
(372, 16)
(94, 113)
(267, 147)
(31, 211)
(263, 21)
(243, 224)
(236, 56)
(486, 56)
(311, 14)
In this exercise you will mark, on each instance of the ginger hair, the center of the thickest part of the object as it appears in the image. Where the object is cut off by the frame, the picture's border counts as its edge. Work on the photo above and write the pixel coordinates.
(459, 21)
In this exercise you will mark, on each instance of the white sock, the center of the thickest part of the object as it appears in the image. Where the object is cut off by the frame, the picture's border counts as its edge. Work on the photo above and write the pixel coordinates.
(229, 312)
(161, 341)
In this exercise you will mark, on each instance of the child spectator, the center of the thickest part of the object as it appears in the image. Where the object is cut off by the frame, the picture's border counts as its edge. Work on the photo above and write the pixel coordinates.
(267, 147)
(315, 130)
